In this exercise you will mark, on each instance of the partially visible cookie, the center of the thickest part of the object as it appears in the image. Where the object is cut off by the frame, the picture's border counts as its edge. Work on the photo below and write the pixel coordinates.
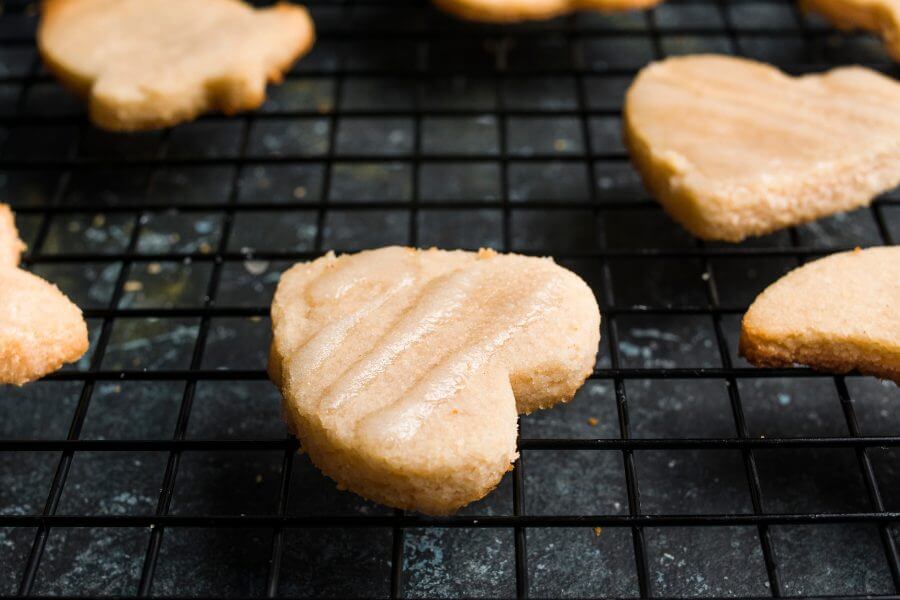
(403, 370)
(511, 11)
(837, 314)
(882, 16)
(40, 329)
(734, 148)
(145, 64)
(11, 246)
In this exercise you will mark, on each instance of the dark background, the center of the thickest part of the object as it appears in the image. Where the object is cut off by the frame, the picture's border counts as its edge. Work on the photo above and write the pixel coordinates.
(404, 126)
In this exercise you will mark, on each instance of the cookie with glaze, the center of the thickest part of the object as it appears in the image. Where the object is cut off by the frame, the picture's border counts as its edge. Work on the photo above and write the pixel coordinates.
(146, 64)
(835, 314)
(403, 370)
(734, 148)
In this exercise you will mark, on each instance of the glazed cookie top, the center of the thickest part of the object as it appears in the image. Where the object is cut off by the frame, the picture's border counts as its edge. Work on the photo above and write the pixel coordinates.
(150, 63)
(734, 147)
(382, 346)
(729, 121)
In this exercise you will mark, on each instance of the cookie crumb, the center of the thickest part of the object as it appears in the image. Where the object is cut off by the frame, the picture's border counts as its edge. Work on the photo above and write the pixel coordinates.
(133, 286)
(593, 421)
(598, 531)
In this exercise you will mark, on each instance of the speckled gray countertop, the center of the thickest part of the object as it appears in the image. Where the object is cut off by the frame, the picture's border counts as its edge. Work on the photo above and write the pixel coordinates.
(352, 91)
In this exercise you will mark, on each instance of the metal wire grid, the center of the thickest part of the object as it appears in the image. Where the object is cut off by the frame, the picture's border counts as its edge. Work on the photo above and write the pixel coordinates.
(430, 35)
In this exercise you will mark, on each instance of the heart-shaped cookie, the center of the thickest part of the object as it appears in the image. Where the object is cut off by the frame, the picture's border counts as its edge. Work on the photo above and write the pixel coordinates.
(40, 329)
(734, 148)
(835, 314)
(403, 370)
(882, 16)
(511, 11)
(144, 64)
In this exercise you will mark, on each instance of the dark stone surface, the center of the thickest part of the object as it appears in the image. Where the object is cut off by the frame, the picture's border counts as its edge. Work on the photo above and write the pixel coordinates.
(459, 562)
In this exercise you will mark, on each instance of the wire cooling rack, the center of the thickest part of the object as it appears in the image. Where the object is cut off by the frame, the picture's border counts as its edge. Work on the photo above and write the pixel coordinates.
(158, 465)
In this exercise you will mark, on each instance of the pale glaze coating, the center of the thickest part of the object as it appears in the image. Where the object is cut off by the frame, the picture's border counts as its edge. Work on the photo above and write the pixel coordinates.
(835, 314)
(146, 64)
(733, 148)
(403, 370)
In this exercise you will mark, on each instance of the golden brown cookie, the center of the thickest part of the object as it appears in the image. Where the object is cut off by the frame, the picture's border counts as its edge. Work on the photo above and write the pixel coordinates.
(403, 370)
(734, 148)
(511, 11)
(40, 329)
(11, 246)
(144, 64)
(881, 16)
(837, 314)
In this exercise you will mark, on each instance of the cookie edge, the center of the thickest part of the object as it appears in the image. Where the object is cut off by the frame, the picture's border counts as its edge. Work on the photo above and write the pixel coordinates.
(763, 349)
(476, 11)
(876, 18)
(17, 372)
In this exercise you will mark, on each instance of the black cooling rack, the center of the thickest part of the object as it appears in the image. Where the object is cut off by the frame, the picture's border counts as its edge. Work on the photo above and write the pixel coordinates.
(678, 471)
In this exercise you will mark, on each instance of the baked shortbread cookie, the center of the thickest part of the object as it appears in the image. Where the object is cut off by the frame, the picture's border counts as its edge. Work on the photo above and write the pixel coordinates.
(403, 370)
(11, 246)
(145, 64)
(511, 11)
(734, 148)
(40, 329)
(882, 16)
(836, 314)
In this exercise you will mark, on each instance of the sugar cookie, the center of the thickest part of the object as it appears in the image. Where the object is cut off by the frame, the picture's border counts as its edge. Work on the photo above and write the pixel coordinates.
(40, 329)
(734, 148)
(511, 11)
(882, 16)
(403, 370)
(144, 64)
(838, 314)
